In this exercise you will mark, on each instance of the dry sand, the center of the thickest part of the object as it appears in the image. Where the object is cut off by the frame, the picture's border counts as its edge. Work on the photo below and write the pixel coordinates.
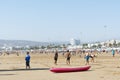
(12, 67)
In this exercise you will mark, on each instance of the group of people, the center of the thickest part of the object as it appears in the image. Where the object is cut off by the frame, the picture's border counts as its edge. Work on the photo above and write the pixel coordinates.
(68, 56)
(87, 57)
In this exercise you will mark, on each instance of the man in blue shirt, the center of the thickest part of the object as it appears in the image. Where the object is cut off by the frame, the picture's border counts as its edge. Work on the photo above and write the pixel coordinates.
(27, 59)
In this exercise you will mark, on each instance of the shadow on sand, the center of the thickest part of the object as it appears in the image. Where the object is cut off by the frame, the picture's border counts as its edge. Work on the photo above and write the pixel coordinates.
(7, 74)
(32, 69)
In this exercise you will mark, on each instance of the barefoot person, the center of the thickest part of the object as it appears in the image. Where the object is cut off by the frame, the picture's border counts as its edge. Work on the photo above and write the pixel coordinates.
(56, 57)
(87, 56)
(113, 52)
(68, 56)
(27, 59)
(92, 57)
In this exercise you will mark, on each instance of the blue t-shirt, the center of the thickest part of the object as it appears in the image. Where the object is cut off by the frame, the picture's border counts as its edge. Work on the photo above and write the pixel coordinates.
(87, 57)
(27, 58)
(113, 51)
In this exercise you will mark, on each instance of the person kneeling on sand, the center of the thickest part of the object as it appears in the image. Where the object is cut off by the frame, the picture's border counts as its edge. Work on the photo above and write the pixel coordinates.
(27, 59)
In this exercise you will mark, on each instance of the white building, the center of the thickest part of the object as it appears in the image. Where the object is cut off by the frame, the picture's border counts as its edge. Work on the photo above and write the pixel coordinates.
(74, 42)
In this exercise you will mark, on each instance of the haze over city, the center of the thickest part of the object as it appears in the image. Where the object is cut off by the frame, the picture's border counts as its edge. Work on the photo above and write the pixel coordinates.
(51, 20)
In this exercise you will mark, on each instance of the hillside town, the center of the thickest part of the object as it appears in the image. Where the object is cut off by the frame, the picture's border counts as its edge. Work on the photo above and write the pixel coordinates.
(72, 45)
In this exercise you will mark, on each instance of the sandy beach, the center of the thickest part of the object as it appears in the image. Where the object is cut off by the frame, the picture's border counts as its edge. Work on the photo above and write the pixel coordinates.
(105, 67)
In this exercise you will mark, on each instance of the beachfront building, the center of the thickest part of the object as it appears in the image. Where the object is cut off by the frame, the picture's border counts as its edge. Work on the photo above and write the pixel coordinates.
(111, 43)
(94, 45)
(74, 42)
(6, 48)
(117, 41)
(75, 47)
(98, 45)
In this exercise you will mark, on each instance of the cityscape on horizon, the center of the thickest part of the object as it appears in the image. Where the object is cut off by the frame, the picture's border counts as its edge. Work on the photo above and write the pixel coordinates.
(9, 45)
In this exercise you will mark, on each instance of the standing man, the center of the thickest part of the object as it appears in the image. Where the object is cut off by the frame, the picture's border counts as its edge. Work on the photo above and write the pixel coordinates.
(27, 59)
(87, 57)
(113, 52)
(56, 57)
(68, 56)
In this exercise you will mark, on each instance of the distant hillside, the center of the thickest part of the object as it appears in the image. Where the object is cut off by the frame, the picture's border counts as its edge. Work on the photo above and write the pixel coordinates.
(21, 43)
(25, 42)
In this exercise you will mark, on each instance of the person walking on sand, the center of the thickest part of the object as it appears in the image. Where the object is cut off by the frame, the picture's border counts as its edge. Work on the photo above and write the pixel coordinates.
(113, 52)
(68, 56)
(56, 57)
(92, 57)
(87, 56)
(27, 59)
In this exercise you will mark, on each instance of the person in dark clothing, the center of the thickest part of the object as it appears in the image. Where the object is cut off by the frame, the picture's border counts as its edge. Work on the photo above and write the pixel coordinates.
(56, 57)
(68, 56)
(27, 59)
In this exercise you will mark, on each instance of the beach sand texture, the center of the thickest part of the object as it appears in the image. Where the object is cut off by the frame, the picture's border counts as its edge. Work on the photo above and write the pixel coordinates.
(105, 67)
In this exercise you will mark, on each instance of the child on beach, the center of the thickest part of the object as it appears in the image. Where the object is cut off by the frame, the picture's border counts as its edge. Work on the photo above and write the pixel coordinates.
(56, 57)
(27, 59)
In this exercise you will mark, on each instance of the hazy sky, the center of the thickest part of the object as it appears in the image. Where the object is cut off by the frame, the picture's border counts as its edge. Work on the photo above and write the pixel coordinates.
(59, 20)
